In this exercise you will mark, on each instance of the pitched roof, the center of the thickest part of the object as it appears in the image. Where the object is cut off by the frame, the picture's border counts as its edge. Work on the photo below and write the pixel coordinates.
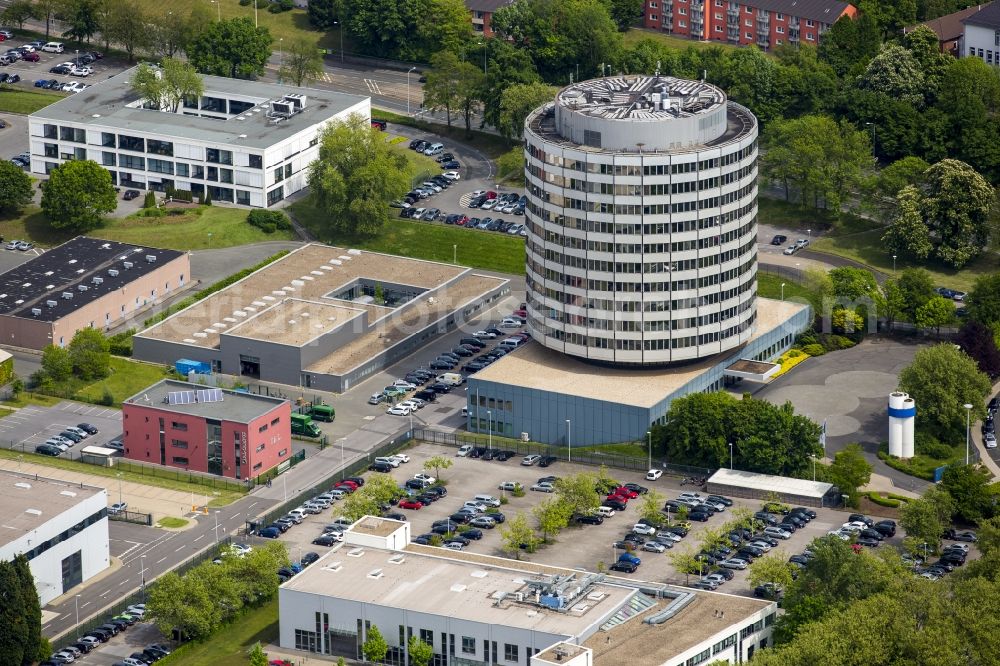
(949, 26)
(489, 6)
(988, 16)
(823, 11)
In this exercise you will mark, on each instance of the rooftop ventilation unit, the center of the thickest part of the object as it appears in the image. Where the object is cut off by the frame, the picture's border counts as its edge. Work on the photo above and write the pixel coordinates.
(36, 311)
(281, 110)
(375, 573)
(82, 287)
(112, 272)
(398, 558)
(51, 304)
(106, 246)
(98, 280)
(297, 101)
(67, 295)
(151, 258)
(127, 264)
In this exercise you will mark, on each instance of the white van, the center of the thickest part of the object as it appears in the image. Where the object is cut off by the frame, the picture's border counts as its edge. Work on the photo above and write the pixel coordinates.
(451, 378)
(434, 149)
(510, 343)
(488, 500)
(605, 511)
(53, 47)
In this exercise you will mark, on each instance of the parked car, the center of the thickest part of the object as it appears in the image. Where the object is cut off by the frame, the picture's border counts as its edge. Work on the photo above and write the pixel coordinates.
(528, 461)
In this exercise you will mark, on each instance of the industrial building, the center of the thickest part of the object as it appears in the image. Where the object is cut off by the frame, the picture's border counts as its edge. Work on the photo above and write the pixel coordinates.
(84, 283)
(475, 609)
(228, 433)
(764, 23)
(321, 317)
(62, 528)
(243, 142)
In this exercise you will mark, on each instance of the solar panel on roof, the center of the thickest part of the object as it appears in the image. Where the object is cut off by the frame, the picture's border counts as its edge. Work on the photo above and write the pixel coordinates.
(210, 395)
(180, 397)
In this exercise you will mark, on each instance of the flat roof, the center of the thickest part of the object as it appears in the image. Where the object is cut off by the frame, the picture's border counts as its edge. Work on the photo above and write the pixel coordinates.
(29, 502)
(312, 272)
(235, 406)
(628, 97)
(294, 321)
(40, 283)
(767, 483)
(538, 367)
(376, 526)
(113, 103)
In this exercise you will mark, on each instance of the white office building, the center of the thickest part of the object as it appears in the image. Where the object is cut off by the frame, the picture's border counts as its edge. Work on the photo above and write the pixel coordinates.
(479, 610)
(245, 142)
(62, 528)
(642, 221)
(981, 35)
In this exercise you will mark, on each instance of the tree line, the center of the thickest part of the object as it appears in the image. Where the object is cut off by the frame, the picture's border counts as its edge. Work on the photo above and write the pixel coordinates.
(21, 640)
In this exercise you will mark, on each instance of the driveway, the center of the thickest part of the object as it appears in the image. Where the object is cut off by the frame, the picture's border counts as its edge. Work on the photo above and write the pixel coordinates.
(849, 391)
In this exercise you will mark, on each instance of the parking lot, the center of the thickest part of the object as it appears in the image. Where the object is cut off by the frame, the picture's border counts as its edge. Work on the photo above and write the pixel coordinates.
(588, 547)
(33, 425)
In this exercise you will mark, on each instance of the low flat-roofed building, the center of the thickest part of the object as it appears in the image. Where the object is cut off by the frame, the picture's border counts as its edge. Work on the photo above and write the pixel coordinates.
(84, 283)
(62, 528)
(794, 491)
(535, 390)
(310, 318)
(218, 431)
(479, 609)
(244, 142)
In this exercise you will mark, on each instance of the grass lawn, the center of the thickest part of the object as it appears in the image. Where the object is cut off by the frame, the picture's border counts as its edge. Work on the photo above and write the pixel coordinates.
(26, 101)
(25, 398)
(680, 43)
(197, 229)
(769, 286)
(491, 145)
(423, 240)
(288, 25)
(229, 646)
(127, 378)
(223, 498)
(793, 216)
(423, 166)
(169, 522)
(624, 449)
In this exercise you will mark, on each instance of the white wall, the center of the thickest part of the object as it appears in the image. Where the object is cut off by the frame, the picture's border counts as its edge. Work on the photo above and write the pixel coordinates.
(92, 543)
(983, 39)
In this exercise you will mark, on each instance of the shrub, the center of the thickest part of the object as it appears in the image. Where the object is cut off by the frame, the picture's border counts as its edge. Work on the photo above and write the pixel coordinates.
(839, 342)
(183, 195)
(794, 353)
(883, 501)
(175, 212)
(517, 492)
(807, 338)
(269, 220)
(149, 201)
(245, 3)
(106, 398)
(207, 199)
(120, 344)
(814, 349)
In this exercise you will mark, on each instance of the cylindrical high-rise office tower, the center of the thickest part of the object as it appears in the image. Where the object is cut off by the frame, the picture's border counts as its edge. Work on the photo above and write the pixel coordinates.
(642, 221)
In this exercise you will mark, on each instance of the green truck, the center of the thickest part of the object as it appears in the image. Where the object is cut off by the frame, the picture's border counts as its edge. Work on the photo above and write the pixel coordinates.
(302, 424)
(323, 413)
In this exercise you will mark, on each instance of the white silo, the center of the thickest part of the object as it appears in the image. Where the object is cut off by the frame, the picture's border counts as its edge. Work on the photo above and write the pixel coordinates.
(902, 414)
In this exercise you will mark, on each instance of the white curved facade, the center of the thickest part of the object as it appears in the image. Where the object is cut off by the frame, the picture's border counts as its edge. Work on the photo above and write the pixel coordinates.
(642, 221)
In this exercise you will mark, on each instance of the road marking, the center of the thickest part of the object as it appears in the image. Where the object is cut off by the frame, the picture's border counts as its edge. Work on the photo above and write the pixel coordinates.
(179, 549)
(104, 594)
(84, 604)
(373, 86)
(251, 506)
(200, 536)
(123, 582)
(161, 560)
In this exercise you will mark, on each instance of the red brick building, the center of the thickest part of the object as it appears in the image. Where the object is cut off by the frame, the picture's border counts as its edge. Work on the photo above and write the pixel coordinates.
(766, 23)
(228, 433)
(482, 14)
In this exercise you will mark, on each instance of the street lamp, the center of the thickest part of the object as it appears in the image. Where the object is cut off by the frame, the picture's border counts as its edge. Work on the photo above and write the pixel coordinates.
(119, 475)
(76, 602)
(489, 426)
(968, 414)
(730, 456)
(649, 437)
(216, 528)
(872, 125)
(408, 72)
(782, 291)
(454, 254)
(142, 576)
(813, 456)
(341, 30)
(893, 264)
(218, 8)
(569, 441)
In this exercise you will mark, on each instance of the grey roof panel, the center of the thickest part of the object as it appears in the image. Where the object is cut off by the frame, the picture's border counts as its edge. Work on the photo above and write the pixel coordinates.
(988, 16)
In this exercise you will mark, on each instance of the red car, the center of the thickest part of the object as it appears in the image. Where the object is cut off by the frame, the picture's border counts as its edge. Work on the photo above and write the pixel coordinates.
(410, 504)
(521, 313)
(351, 484)
(31, 57)
(621, 498)
(462, 220)
(625, 492)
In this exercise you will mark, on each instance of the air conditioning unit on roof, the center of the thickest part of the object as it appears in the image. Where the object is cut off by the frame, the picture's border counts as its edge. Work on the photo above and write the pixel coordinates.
(112, 272)
(127, 264)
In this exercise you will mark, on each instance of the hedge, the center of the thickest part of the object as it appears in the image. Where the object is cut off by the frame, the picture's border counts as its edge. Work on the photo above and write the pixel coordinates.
(882, 501)
(208, 291)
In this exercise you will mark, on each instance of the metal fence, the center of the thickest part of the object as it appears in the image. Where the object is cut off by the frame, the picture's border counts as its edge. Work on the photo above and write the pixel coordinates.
(132, 517)
(588, 457)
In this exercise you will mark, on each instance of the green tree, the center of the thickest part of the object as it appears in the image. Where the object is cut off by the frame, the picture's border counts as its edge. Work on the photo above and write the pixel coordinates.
(325, 14)
(15, 188)
(171, 34)
(442, 87)
(125, 23)
(374, 648)
(406, 29)
(926, 518)
(90, 354)
(850, 470)
(368, 499)
(516, 535)
(257, 655)
(14, 629)
(82, 19)
(231, 47)
(941, 379)
(438, 463)
(183, 604)
(56, 363)
(625, 13)
(470, 82)
(891, 17)
(18, 13)
(893, 302)
(168, 85)
(969, 486)
(772, 568)
(46, 10)
(301, 62)
(916, 287)
(935, 313)
(895, 74)
(854, 284)
(508, 66)
(850, 44)
(446, 26)
(563, 37)
(517, 101)
(882, 189)
(977, 340)
(983, 301)
(685, 561)
(552, 516)
(651, 506)
(355, 176)
(578, 493)
(420, 652)
(78, 195)
(36, 646)
(908, 232)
